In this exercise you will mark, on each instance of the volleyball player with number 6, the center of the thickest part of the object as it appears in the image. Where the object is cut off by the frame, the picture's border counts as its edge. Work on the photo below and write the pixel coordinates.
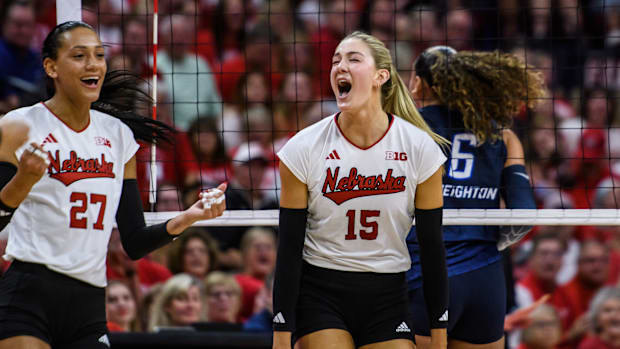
(470, 99)
(350, 186)
(62, 192)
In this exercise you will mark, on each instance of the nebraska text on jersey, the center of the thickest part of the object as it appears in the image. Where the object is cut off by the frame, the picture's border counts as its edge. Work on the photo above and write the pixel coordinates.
(76, 168)
(356, 185)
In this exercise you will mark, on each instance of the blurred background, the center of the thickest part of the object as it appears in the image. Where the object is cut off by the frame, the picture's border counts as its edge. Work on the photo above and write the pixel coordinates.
(238, 78)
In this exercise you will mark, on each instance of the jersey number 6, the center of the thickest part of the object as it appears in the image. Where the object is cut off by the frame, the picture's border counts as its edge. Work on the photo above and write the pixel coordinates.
(81, 208)
(364, 234)
(459, 154)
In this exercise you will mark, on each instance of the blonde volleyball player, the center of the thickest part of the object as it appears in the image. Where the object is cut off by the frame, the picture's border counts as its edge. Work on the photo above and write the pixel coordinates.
(62, 192)
(350, 186)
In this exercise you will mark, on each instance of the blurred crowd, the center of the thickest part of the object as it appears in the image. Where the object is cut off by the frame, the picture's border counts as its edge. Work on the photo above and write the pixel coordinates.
(238, 78)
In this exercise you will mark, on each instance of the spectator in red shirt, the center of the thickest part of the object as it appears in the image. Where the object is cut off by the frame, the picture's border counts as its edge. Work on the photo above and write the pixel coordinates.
(139, 275)
(257, 57)
(194, 253)
(572, 299)
(591, 162)
(208, 149)
(544, 263)
(604, 316)
(326, 39)
(179, 303)
(121, 309)
(544, 330)
(258, 249)
(223, 298)
(135, 45)
(229, 20)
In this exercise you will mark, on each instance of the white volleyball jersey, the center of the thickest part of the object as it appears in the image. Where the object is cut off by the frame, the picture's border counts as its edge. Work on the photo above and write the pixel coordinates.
(361, 201)
(66, 220)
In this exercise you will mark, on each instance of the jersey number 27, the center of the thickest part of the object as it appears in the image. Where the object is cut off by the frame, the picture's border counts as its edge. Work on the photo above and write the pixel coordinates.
(80, 222)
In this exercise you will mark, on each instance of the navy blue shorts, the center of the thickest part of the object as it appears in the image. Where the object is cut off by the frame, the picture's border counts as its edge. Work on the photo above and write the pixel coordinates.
(477, 306)
(59, 310)
(372, 307)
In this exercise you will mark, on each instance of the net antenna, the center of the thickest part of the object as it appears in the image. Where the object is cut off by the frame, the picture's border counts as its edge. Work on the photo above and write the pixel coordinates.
(68, 10)
(153, 171)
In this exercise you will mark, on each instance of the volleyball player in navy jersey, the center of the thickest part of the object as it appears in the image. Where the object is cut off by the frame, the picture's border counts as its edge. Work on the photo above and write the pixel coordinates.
(469, 98)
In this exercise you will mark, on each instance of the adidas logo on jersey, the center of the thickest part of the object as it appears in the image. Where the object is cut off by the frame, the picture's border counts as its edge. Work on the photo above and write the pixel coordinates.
(49, 139)
(104, 339)
(333, 155)
(444, 317)
(278, 319)
(403, 327)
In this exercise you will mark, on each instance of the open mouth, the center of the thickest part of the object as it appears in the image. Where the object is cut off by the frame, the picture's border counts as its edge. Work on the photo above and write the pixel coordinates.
(344, 87)
(90, 81)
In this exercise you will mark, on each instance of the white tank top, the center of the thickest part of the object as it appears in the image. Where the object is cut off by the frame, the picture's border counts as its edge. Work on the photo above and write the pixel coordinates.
(66, 220)
(361, 201)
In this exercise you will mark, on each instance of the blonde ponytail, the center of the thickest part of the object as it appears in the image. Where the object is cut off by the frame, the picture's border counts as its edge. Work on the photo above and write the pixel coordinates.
(395, 98)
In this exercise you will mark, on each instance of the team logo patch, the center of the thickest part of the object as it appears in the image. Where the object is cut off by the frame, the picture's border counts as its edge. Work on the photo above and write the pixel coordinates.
(103, 141)
(75, 168)
(351, 186)
(395, 155)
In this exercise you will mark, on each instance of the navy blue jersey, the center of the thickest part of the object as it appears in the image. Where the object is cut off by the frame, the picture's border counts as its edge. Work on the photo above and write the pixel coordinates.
(472, 180)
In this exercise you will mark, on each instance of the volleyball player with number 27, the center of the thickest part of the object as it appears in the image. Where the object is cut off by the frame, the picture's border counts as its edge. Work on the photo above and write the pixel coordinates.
(470, 99)
(350, 186)
(62, 191)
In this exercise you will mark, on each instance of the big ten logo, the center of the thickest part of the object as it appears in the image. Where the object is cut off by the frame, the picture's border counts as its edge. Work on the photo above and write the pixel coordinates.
(394, 155)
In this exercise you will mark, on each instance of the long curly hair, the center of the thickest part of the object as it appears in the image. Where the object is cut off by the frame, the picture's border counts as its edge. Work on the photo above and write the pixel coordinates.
(487, 88)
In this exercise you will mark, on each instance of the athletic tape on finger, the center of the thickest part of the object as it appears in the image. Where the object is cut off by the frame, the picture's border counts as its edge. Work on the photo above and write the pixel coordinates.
(211, 193)
(42, 154)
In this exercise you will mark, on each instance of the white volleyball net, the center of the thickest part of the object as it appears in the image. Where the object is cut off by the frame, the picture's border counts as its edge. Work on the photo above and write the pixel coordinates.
(239, 78)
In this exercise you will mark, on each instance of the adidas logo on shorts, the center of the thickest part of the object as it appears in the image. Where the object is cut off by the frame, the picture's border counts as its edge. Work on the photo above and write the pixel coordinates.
(278, 319)
(104, 339)
(403, 327)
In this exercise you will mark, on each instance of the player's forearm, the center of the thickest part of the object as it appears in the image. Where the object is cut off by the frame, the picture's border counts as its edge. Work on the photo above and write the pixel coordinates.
(178, 224)
(16, 190)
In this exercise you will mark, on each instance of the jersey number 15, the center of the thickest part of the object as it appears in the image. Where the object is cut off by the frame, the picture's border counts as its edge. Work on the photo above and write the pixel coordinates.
(364, 234)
